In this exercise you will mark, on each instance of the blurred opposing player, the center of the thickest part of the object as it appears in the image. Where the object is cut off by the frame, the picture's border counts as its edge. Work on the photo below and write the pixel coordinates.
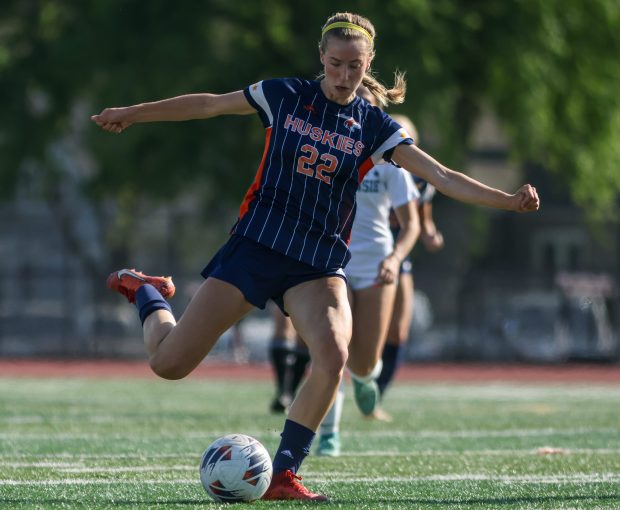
(400, 324)
(289, 359)
(290, 241)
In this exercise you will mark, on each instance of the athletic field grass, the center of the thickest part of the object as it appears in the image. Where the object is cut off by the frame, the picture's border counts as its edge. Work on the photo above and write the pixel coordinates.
(136, 444)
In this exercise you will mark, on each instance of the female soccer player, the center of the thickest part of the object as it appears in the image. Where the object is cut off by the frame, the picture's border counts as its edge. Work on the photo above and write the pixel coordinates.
(290, 241)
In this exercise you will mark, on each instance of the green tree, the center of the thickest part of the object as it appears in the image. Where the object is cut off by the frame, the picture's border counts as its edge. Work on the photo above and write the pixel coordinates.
(549, 68)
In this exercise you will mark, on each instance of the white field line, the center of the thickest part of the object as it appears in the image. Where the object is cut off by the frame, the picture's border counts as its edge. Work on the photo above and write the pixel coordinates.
(103, 456)
(456, 477)
(413, 434)
(73, 468)
(12, 460)
(504, 393)
(98, 481)
(480, 453)
(79, 467)
(480, 433)
(483, 477)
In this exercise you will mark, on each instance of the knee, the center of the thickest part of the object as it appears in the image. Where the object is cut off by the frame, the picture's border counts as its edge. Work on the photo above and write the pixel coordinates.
(330, 360)
(167, 370)
(366, 368)
(403, 335)
(398, 333)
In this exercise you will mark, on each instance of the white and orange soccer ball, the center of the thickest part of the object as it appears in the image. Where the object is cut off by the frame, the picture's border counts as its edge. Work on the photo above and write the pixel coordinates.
(235, 468)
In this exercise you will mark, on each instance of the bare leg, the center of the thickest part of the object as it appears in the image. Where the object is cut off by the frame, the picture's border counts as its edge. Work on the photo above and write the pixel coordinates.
(371, 317)
(321, 315)
(176, 349)
(398, 332)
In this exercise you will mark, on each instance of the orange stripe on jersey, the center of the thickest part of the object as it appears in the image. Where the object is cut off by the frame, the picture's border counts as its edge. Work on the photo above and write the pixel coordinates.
(245, 205)
(364, 169)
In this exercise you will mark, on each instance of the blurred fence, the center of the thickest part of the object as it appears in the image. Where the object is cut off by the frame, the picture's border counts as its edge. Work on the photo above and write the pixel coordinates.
(51, 306)
(67, 314)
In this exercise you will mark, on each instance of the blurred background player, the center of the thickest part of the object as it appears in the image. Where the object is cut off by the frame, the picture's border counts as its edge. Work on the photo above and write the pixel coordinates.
(238, 350)
(400, 325)
(289, 358)
(372, 276)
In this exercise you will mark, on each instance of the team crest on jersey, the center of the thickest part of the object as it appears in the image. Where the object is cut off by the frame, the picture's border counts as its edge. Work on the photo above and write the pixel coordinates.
(350, 122)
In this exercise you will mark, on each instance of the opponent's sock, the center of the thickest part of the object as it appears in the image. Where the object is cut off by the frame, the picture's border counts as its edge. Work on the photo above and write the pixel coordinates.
(281, 358)
(370, 377)
(294, 447)
(298, 369)
(392, 355)
(331, 422)
(148, 299)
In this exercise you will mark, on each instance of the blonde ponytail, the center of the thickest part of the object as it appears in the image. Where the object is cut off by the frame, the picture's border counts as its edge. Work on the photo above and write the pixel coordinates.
(382, 94)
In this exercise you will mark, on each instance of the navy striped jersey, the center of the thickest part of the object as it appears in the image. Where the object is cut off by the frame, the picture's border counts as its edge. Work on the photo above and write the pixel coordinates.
(302, 200)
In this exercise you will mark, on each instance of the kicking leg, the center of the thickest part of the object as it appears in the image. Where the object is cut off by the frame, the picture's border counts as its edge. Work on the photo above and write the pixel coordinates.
(175, 349)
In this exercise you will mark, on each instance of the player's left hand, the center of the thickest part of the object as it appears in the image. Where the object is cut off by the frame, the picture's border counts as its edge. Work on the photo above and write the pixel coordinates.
(432, 242)
(526, 199)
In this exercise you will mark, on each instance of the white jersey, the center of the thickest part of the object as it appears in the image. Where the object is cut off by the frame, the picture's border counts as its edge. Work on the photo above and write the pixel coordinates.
(384, 187)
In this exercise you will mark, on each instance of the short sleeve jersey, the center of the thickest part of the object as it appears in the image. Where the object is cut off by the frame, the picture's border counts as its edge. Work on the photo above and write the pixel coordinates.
(385, 186)
(302, 200)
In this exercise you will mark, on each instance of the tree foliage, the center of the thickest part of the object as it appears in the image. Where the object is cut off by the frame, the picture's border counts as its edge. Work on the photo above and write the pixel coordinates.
(549, 68)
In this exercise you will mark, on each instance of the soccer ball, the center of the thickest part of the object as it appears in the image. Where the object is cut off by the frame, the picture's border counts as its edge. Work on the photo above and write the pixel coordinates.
(235, 468)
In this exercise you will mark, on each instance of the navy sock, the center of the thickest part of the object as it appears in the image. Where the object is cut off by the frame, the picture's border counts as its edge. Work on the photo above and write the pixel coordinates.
(294, 447)
(148, 299)
(391, 359)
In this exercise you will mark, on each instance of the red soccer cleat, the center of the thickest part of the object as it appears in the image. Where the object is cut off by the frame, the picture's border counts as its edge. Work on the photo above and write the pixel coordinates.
(128, 281)
(285, 485)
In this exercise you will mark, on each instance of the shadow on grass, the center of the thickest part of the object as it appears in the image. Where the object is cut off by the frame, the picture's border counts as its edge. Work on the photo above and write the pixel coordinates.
(493, 502)
(408, 502)
(101, 503)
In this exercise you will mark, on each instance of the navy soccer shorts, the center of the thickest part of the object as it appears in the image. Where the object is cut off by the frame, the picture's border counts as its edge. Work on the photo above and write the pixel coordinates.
(261, 273)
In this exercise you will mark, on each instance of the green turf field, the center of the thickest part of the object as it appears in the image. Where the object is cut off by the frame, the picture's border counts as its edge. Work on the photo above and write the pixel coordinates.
(96, 444)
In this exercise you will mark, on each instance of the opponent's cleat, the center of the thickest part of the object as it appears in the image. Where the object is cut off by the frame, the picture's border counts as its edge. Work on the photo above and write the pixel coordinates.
(128, 281)
(366, 396)
(287, 485)
(329, 445)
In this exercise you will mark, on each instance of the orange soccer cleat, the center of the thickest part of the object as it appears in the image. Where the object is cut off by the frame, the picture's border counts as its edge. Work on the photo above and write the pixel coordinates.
(286, 485)
(128, 281)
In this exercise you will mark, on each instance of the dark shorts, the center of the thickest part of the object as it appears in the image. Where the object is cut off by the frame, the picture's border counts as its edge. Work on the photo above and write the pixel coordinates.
(406, 266)
(261, 273)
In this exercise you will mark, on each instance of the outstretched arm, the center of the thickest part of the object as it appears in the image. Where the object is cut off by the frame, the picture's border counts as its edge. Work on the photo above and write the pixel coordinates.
(187, 107)
(460, 186)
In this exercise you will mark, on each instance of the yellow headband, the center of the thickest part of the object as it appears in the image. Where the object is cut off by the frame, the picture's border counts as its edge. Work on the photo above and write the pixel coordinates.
(346, 24)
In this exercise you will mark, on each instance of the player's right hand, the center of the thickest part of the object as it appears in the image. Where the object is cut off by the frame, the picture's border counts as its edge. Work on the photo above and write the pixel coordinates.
(388, 271)
(114, 120)
(526, 199)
